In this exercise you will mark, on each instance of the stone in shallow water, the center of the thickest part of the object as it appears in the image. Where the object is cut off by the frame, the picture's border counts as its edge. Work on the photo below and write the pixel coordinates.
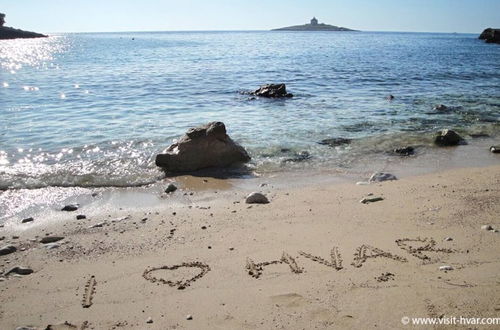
(334, 142)
(495, 149)
(256, 198)
(447, 137)
(202, 147)
(381, 176)
(272, 90)
(81, 217)
(404, 151)
(440, 107)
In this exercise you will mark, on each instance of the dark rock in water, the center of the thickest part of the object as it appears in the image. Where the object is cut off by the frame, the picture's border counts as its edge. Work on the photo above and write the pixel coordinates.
(7, 249)
(81, 217)
(478, 135)
(313, 26)
(440, 107)
(272, 90)
(491, 35)
(447, 137)
(70, 208)
(495, 149)
(404, 151)
(30, 219)
(19, 270)
(51, 239)
(171, 188)
(299, 157)
(256, 198)
(335, 142)
(202, 147)
(11, 33)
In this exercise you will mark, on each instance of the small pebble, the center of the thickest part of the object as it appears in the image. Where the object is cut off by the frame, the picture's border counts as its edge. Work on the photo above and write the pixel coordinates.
(171, 188)
(70, 208)
(81, 217)
(445, 268)
(30, 219)
(486, 227)
(189, 317)
(448, 239)
(149, 320)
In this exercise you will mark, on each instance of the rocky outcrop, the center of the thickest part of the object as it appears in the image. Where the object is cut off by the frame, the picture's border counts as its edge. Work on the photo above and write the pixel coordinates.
(202, 147)
(491, 35)
(272, 90)
(11, 33)
(447, 137)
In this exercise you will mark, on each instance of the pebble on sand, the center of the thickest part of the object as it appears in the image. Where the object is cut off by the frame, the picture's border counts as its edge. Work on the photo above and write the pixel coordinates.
(445, 268)
(149, 320)
(256, 198)
(81, 217)
(371, 200)
(19, 270)
(487, 227)
(51, 239)
(30, 219)
(189, 317)
(171, 188)
(7, 249)
(381, 176)
(70, 207)
(495, 149)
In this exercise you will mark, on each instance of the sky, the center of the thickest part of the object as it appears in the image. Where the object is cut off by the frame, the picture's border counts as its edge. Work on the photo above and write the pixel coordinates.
(463, 16)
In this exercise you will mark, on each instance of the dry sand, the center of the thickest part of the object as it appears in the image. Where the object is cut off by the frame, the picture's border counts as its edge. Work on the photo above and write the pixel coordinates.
(97, 276)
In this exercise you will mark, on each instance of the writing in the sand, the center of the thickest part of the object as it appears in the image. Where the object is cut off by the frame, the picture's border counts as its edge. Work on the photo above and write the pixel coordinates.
(416, 247)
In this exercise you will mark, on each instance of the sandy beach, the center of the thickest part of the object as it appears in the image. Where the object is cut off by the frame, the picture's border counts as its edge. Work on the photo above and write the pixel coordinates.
(314, 257)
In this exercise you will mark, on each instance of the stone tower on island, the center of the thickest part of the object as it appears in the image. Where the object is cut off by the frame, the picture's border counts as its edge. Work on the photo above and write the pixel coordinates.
(314, 21)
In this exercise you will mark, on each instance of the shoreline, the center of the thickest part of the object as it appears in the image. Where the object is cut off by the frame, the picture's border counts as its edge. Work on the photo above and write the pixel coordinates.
(222, 232)
(46, 202)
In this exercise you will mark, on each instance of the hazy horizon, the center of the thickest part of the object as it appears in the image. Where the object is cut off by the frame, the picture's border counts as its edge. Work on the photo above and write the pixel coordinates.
(57, 16)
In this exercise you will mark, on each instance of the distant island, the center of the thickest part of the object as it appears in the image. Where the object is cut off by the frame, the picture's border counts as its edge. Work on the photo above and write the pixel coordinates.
(313, 26)
(11, 33)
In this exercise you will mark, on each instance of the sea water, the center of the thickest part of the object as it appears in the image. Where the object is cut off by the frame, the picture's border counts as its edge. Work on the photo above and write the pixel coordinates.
(93, 110)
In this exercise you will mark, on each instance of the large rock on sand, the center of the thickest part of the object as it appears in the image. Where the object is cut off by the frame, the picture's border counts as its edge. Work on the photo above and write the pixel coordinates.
(272, 90)
(447, 137)
(202, 147)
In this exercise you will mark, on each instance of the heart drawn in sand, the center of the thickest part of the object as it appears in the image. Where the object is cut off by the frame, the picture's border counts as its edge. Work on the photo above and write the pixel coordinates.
(180, 284)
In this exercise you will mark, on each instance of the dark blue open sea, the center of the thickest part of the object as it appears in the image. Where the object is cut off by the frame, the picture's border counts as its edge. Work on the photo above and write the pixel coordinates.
(87, 110)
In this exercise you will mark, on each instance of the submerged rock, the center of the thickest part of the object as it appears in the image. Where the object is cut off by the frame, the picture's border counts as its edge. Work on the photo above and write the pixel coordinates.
(202, 147)
(447, 137)
(440, 107)
(404, 151)
(298, 157)
(381, 176)
(272, 90)
(256, 198)
(81, 217)
(7, 249)
(335, 142)
(490, 35)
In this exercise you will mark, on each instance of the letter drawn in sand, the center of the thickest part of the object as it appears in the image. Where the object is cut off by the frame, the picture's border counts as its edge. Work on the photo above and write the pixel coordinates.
(429, 246)
(255, 270)
(180, 284)
(89, 292)
(365, 252)
(336, 259)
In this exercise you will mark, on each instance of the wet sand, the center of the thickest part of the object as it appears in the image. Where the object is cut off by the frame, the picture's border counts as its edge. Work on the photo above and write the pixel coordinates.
(314, 257)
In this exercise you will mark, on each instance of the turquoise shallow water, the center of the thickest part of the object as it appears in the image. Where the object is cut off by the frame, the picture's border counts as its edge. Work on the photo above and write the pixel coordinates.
(84, 110)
